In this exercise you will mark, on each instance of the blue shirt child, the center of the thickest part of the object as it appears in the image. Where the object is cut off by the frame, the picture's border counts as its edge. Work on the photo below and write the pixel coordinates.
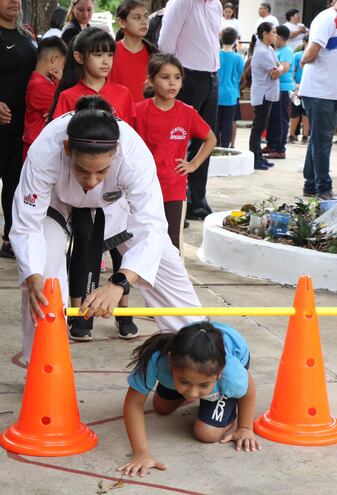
(285, 54)
(233, 382)
(229, 75)
(298, 70)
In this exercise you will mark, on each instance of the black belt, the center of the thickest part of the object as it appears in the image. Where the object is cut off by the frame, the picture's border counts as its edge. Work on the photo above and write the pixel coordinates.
(202, 72)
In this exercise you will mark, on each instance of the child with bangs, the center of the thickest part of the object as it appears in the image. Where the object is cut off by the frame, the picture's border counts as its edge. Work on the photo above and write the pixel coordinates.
(87, 67)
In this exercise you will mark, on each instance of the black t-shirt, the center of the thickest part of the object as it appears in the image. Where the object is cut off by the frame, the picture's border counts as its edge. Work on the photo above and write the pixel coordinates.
(17, 61)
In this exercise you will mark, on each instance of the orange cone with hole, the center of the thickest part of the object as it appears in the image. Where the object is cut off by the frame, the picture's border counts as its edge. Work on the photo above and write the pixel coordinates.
(49, 422)
(300, 412)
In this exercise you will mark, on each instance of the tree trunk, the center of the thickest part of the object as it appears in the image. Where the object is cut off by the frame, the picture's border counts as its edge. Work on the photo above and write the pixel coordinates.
(40, 14)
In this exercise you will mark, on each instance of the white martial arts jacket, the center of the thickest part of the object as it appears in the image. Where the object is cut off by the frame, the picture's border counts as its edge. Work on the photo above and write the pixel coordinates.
(47, 180)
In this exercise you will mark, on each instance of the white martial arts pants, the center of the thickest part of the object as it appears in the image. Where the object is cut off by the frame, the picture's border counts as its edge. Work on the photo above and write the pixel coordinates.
(172, 287)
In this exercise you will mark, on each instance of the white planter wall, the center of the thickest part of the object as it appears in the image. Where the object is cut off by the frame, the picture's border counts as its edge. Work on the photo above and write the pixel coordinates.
(264, 260)
(233, 165)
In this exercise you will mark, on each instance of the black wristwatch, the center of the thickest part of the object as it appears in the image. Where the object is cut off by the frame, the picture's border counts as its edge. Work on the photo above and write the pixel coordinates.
(120, 279)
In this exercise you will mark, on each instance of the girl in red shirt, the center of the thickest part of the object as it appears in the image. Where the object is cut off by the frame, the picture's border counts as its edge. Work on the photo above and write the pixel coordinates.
(166, 125)
(132, 50)
(87, 66)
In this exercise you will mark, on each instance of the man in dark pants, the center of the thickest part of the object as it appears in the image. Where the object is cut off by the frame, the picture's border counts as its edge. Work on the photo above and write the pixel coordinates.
(190, 30)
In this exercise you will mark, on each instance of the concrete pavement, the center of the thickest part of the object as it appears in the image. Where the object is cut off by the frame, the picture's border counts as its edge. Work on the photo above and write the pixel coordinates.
(100, 373)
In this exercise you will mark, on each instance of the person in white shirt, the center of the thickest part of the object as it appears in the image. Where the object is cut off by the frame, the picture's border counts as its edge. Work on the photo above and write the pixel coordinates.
(229, 21)
(297, 30)
(266, 16)
(318, 91)
(56, 23)
(190, 31)
(88, 159)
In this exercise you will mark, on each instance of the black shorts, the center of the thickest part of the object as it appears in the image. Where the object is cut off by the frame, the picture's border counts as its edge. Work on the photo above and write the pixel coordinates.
(220, 413)
(297, 111)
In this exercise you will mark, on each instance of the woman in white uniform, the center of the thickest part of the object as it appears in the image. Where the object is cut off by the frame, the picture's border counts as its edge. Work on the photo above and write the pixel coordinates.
(88, 159)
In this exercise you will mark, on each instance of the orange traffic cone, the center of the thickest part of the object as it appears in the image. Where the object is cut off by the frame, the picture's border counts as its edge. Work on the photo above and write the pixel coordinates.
(49, 422)
(300, 413)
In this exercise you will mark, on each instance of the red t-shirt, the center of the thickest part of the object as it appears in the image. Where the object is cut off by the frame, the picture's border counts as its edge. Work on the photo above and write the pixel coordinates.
(130, 69)
(167, 134)
(117, 96)
(39, 97)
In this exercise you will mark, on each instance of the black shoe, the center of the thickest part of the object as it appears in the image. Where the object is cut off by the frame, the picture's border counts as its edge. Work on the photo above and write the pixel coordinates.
(309, 193)
(77, 333)
(326, 195)
(126, 328)
(269, 164)
(6, 250)
(186, 225)
(197, 214)
(260, 165)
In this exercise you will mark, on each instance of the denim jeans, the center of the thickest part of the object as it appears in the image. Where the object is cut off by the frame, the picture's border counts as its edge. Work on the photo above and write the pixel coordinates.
(322, 116)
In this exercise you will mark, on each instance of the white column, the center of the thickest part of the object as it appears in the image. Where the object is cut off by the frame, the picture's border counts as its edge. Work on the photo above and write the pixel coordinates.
(248, 14)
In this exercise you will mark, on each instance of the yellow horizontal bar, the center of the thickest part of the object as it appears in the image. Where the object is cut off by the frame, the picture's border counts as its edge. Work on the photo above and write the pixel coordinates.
(230, 311)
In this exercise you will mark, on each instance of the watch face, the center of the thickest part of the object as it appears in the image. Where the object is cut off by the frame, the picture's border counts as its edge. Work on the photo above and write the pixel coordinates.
(119, 278)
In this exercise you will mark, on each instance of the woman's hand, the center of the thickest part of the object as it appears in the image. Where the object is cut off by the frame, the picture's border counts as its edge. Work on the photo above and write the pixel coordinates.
(244, 438)
(141, 463)
(35, 286)
(102, 301)
(5, 114)
(184, 167)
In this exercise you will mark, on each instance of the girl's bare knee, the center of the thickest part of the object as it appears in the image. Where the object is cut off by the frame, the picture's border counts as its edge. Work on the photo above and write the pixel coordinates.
(207, 434)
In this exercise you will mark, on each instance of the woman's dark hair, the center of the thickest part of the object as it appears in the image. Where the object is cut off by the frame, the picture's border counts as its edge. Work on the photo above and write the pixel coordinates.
(199, 346)
(228, 36)
(58, 17)
(264, 27)
(290, 13)
(228, 6)
(157, 60)
(283, 32)
(90, 40)
(93, 129)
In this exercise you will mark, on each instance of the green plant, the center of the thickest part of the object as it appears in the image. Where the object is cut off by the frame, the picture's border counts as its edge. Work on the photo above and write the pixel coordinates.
(303, 230)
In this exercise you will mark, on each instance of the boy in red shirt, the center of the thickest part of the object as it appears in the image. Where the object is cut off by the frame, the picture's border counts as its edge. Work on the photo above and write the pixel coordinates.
(41, 88)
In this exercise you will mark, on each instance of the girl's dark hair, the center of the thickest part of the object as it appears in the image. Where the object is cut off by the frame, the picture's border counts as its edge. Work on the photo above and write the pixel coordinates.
(124, 8)
(199, 346)
(157, 60)
(264, 27)
(93, 121)
(90, 40)
(58, 17)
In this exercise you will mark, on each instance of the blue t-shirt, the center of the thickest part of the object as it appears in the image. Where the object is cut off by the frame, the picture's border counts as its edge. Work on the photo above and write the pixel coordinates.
(233, 381)
(286, 54)
(298, 70)
(229, 75)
